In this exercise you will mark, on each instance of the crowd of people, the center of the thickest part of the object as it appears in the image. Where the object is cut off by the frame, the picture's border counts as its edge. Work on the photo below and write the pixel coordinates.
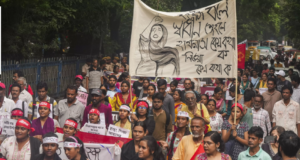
(164, 120)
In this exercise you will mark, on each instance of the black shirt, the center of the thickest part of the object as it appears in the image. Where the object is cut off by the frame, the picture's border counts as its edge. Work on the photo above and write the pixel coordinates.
(137, 86)
(128, 152)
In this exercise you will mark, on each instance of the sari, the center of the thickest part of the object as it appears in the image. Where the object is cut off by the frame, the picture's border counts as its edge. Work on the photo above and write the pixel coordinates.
(178, 107)
(118, 100)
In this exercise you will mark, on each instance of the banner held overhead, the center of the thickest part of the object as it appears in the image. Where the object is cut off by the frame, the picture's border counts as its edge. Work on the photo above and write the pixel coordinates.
(199, 43)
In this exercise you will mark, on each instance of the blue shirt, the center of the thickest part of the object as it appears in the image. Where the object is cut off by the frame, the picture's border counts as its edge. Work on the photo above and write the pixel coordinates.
(260, 155)
(116, 89)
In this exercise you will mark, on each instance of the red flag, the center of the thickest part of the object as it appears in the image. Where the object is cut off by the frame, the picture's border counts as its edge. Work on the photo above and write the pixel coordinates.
(241, 56)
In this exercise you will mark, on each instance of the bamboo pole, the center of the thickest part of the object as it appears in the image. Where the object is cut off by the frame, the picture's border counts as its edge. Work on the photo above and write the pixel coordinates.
(236, 88)
(130, 92)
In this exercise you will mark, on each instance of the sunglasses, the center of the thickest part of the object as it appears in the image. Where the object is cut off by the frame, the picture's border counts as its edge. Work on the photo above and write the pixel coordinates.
(142, 107)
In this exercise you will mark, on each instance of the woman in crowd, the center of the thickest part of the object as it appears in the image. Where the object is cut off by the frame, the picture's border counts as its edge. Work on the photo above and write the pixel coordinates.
(144, 91)
(262, 83)
(16, 114)
(272, 148)
(174, 138)
(123, 121)
(21, 146)
(74, 148)
(130, 150)
(213, 147)
(177, 101)
(124, 98)
(142, 116)
(235, 135)
(44, 123)
(123, 77)
(220, 102)
(173, 87)
(69, 129)
(50, 145)
(94, 118)
(219, 82)
(240, 73)
(151, 91)
(116, 71)
(149, 149)
(216, 119)
(204, 99)
(245, 84)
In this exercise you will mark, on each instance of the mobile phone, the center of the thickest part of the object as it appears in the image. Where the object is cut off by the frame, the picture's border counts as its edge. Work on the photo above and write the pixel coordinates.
(270, 139)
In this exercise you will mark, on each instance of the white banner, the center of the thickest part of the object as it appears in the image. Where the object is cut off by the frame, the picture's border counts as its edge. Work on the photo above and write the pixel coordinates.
(9, 127)
(199, 43)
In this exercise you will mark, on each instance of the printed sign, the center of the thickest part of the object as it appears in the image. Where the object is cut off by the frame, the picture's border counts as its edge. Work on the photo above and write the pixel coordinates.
(111, 94)
(117, 131)
(9, 127)
(94, 128)
(3, 115)
(82, 97)
(199, 43)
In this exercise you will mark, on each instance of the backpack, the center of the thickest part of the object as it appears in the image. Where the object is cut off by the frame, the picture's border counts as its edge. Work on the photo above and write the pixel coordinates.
(34, 106)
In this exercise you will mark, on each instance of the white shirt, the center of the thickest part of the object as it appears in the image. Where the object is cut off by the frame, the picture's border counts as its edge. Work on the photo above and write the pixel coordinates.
(24, 96)
(19, 104)
(296, 94)
(7, 106)
(82, 89)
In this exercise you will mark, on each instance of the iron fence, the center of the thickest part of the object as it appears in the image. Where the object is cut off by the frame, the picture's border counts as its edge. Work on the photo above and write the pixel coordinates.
(57, 72)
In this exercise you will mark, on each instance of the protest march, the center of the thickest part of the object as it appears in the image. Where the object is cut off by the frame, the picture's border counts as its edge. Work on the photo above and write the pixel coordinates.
(187, 90)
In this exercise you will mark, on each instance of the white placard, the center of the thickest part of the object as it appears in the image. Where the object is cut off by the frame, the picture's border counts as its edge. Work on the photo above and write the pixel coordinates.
(3, 115)
(199, 43)
(111, 94)
(9, 127)
(117, 131)
(94, 128)
(202, 83)
(38, 114)
(262, 90)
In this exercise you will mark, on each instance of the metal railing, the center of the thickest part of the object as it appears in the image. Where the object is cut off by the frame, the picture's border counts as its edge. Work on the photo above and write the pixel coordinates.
(57, 72)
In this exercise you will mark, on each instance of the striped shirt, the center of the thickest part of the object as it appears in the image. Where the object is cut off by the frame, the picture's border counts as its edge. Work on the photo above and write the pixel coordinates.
(261, 118)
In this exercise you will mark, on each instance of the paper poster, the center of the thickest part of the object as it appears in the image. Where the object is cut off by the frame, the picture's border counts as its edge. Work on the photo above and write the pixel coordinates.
(202, 83)
(115, 131)
(9, 127)
(94, 128)
(3, 115)
(199, 43)
(262, 90)
(51, 111)
(111, 94)
(82, 97)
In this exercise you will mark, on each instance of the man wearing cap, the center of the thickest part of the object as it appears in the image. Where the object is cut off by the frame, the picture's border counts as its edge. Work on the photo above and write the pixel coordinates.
(42, 91)
(78, 83)
(97, 96)
(84, 70)
(15, 92)
(7, 105)
(281, 81)
(24, 95)
(124, 64)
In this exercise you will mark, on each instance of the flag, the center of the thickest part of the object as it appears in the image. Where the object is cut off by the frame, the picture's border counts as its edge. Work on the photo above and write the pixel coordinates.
(241, 56)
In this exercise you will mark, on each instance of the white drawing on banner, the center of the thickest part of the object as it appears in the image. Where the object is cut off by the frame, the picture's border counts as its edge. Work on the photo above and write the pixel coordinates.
(156, 58)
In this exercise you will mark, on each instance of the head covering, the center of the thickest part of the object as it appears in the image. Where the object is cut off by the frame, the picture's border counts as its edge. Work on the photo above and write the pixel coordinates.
(71, 123)
(238, 105)
(125, 58)
(96, 111)
(281, 73)
(116, 58)
(108, 58)
(79, 76)
(125, 107)
(104, 58)
(24, 123)
(45, 104)
(97, 91)
(142, 103)
(17, 112)
(183, 114)
(50, 140)
(2, 85)
(72, 144)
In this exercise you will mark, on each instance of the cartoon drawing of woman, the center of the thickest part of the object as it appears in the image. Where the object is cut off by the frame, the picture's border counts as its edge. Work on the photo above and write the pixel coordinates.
(156, 58)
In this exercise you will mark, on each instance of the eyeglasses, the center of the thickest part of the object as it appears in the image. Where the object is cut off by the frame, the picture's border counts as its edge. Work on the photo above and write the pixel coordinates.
(142, 107)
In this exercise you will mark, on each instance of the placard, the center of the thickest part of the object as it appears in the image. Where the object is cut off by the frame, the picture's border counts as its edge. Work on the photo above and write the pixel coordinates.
(262, 90)
(94, 128)
(115, 131)
(3, 115)
(111, 94)
(9, 127)
(82, 97)
(202, 83)
(199, 43)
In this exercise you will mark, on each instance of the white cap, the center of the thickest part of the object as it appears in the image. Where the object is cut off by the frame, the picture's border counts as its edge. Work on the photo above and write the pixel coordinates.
(125, 107)
(281, 73)
(183, 114)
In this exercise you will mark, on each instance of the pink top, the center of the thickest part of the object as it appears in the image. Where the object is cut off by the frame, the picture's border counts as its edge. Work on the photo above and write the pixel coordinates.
(203, 156)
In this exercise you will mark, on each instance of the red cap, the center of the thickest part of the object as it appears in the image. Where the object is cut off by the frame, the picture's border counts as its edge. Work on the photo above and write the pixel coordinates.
(238, 105)
(96, 111)
(44, 104)
(141, 103)
(79, 76)
(2, 85)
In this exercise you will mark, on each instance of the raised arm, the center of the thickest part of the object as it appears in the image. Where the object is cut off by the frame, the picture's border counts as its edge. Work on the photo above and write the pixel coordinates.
(154, 21)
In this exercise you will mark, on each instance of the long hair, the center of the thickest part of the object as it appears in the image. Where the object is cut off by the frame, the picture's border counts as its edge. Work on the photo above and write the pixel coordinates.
(153, 146)
(170, 152)
(163, 55)
(216, 138)
(82, 152)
